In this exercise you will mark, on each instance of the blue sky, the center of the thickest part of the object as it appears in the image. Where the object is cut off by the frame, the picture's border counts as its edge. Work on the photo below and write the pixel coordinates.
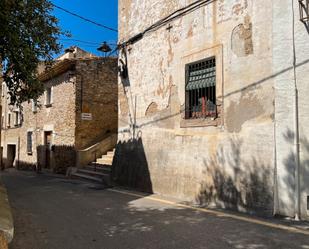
(101, 11)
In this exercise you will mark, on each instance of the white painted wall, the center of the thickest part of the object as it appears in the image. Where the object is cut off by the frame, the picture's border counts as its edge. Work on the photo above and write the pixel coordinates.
(285, 105)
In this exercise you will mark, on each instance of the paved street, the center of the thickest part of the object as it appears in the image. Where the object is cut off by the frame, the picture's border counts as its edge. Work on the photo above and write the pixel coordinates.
(55, 213)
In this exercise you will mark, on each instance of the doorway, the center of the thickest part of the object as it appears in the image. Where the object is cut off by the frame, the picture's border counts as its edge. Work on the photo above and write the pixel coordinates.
(11, 155)
(47, 143)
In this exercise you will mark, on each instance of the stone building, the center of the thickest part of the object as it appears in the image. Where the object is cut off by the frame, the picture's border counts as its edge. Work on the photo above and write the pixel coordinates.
(208, 110)
(76, 111)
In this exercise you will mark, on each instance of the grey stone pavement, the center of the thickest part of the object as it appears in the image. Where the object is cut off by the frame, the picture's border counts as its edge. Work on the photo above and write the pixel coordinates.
(58, 213)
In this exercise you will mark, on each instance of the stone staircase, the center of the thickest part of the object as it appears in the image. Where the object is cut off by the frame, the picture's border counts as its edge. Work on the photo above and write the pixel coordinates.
(99, 171)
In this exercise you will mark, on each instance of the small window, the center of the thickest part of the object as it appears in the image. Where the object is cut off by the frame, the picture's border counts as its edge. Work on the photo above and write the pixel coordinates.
(2, 122)
(29, 142)
(9, 120)
(17, 118)
(201, 90)
(48, 97)
(34, 105)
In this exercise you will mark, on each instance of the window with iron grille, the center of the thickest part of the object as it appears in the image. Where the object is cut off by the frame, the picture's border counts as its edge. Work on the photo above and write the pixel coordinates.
(29, 142)
(201, 89)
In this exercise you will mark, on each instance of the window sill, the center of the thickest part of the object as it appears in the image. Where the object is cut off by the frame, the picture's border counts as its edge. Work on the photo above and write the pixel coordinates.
(186, 123)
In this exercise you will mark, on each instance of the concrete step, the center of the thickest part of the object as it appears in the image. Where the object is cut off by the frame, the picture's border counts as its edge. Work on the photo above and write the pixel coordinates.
(87, 177)
(111, 153)
(99, 168)
(108, 156)
(92, 173)
(105, 161)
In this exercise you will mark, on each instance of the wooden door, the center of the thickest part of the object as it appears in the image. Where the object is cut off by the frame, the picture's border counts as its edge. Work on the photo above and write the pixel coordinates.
(48, 143)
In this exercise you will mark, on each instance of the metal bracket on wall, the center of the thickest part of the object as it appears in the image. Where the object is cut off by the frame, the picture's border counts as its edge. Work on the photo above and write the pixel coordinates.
(304, 11)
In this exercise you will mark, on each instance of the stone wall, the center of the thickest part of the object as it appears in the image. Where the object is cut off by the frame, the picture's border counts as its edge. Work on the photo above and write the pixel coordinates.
(88, 84)
(96, 94)
(227, 163)
(59, 118)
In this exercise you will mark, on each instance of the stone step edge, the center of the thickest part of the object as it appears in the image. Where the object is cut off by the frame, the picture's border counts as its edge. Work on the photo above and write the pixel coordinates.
(92, 172)
(84, 176)
(99, 167)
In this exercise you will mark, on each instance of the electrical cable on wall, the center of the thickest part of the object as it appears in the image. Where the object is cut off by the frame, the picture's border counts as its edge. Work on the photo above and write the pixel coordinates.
(176, 14)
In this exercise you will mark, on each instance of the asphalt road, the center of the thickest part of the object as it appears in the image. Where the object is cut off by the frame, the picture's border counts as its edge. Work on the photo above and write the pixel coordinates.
(55, 213)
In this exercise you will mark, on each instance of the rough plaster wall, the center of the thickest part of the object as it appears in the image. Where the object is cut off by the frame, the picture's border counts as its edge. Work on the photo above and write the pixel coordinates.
(147, 11)
(227, 166)
(284, 86)
(302, 51)
(60, 118)
(98, 79)
(285, 103)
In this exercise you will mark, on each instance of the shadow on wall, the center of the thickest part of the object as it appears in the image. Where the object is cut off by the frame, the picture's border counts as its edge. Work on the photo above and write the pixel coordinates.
(21, 165)
(234, 184)
(130, 166)
(59, 158)
(290, 166)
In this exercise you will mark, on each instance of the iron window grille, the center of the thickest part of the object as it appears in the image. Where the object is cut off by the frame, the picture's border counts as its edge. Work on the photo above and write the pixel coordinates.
(201, 89)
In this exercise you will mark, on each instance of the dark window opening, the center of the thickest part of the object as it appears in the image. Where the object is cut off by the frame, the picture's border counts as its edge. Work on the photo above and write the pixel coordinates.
(48, 97)
(29, 142)
(201, 89)
(9, 120)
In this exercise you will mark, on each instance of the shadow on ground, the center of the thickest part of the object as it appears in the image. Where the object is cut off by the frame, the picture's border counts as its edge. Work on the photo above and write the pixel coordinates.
(55, 213)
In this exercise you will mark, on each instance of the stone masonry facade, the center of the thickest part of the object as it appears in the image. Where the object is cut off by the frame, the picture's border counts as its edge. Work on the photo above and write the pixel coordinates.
(58, 126)
(226, 161)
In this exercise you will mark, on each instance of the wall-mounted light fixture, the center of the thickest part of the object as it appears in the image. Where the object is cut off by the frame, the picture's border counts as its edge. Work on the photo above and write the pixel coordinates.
(304, 11)
(105, 48)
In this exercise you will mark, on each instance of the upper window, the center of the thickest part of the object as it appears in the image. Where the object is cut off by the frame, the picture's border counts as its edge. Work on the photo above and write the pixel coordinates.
(201, 89)
(34, 105)
(17, 118)
(48, 96)
(9, 120)
(29, 142)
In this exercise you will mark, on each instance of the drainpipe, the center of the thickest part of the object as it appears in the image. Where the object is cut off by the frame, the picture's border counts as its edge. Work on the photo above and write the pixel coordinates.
(296, 123)
(276, 191)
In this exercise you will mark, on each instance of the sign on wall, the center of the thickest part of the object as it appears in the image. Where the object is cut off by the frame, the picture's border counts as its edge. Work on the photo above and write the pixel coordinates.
(86, 116)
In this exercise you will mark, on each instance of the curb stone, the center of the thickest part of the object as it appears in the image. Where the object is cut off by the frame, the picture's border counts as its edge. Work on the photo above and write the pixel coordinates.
(6, 217)
(3, 241)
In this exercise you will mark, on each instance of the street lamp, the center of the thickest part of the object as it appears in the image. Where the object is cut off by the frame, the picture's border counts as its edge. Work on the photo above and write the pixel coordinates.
(105, 48)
